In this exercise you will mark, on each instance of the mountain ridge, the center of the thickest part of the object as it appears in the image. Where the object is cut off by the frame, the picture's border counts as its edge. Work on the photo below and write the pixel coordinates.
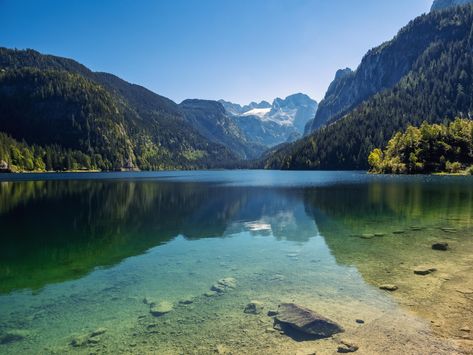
(436, 89)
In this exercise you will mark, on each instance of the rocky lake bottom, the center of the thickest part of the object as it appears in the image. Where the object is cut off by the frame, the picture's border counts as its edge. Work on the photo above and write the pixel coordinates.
(237, 263)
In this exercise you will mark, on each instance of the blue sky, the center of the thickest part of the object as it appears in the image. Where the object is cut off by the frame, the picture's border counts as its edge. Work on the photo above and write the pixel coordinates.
(238, 50)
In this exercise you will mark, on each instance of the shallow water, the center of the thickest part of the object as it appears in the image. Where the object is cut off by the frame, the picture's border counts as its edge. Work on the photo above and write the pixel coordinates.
(81, 252)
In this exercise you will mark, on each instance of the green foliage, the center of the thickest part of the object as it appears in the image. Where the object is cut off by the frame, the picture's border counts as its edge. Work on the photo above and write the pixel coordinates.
(79, 119)
(436, 90)
(428, 149)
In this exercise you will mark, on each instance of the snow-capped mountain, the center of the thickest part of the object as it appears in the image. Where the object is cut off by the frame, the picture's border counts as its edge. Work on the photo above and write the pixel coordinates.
(271, 124)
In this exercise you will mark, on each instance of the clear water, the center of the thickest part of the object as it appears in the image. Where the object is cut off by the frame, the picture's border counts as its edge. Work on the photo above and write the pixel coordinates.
(81, 251)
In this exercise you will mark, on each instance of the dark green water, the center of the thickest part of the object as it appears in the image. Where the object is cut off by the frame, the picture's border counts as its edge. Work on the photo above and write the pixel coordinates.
(80, 252)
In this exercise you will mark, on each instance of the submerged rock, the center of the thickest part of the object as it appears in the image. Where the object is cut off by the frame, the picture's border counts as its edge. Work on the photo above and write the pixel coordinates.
(306, 321)
(347, 347)
(367, 236)
(210, 294)
(272, 313)
(98, 331)
(186, 301)
(13, 336)
(449, 230)
(424, 270)
(254, 307)
(388, 287)
(224, 285)
(161, 308)
(79, 341)
(442, 246)
(399, 232)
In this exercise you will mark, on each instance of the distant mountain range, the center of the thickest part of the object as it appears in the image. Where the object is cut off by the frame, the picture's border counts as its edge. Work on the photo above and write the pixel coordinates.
(57, 114)
(272, 124)
(424, 73)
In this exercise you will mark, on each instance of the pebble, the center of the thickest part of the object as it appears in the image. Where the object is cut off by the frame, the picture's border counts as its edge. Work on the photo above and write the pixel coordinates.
(399, 232)
(442, 246)
(254, 307)
(424, 270)
(388, 287)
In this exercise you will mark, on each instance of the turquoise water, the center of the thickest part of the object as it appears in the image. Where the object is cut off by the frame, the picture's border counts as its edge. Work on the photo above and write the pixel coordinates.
(81, 251)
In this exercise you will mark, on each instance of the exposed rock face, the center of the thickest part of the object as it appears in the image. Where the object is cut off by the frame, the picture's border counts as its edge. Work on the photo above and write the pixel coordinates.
(272, 124)
(444, 4)
(381, 68)
(306, 321)
(325, 109)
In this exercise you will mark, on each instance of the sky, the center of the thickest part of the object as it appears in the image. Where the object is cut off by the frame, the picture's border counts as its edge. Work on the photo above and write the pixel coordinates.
(237, 50)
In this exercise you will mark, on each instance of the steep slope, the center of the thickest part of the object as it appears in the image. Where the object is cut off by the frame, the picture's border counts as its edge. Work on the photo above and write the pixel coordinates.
(213, 122)
(443, 4)
(381, 68)
(437, 89)
(334, 87)
(53, 101)
(282, 121)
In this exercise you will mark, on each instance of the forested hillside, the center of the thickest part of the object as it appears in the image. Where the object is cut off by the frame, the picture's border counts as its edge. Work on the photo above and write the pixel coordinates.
(437, 89)
(59, 105)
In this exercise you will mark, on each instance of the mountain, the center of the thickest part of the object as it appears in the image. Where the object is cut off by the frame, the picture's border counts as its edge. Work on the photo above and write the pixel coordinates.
(443, 4)
(331, 96)
(67, 116)
(272, 124)
(380, 69)
(213, 122)
(436, 88)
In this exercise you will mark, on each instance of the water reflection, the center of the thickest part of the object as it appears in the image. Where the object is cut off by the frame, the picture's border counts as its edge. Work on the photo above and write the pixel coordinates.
(52, 231)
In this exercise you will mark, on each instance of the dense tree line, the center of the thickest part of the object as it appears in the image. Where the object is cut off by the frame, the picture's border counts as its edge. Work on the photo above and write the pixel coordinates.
(19, 156)
(437, 90)
(428, 149)
(73, 118)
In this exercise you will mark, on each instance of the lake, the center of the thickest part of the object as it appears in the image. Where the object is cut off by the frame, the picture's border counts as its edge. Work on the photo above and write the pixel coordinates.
(84, 255)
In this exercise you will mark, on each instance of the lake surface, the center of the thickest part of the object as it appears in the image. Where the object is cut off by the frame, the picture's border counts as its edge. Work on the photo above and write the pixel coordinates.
(83, 253)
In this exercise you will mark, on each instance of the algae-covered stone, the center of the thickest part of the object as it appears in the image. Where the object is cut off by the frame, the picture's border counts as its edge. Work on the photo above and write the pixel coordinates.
(161, 308)
(306, 321)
